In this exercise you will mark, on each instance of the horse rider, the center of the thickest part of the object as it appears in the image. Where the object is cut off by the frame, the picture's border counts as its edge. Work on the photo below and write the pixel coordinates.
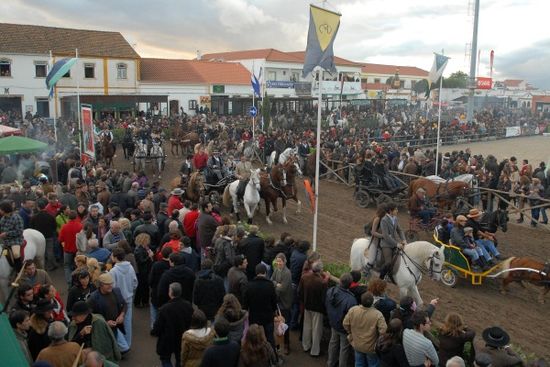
(106, 133)
(215, 166)
(186, 169)
(242, 172)
(11, 232)
(303, 152)
(420, 206)
(393, 237)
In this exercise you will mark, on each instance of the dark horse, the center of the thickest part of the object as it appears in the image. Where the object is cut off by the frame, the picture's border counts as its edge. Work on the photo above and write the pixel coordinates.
(128, 145)
(279, 183)
(107, 151)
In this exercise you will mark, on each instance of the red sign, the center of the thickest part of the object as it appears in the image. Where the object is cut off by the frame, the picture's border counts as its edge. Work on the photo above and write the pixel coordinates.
(87, 132)
(484, 83)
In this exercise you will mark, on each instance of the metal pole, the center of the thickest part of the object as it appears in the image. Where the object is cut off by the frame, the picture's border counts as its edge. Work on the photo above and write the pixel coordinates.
(55, 107)
(438, 126)
(81, 133)
(317, 159)
(473, 62)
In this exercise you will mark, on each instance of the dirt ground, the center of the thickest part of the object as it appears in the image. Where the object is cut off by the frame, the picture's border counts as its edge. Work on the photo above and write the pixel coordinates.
(340, 221)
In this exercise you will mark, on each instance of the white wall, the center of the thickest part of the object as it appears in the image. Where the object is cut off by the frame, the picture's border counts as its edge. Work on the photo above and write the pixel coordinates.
(183, 93)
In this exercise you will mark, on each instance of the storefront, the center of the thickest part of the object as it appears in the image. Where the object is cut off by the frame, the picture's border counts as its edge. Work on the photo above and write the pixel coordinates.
(116, 106)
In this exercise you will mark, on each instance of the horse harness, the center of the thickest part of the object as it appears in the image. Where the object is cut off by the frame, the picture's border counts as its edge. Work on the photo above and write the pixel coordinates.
(430, 270)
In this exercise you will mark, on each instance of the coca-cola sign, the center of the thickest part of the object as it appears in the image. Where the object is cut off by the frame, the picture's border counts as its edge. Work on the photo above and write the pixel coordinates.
(484, 83)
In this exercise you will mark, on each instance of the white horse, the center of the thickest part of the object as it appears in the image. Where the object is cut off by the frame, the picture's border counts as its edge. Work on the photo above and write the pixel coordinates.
(157, 156)
(34, 249)
(251, 197)
(417, 258)
(140, 155)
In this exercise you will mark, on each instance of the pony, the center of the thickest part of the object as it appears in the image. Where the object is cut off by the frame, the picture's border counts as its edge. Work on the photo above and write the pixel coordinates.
(157, 156)
(251, 197)
(271, 187)
(195, 186)
(175, 139)
(443, 193)
(35, 248)
(107, 150)
(524, 269)
(140, 155)
(415, 259)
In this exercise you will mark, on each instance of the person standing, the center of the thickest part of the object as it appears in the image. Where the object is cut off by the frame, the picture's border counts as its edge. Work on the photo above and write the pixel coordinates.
(452, 337)
(237, 280)
(364, 324)
(261, 300)
(67, 238)
(497, 346)
(223, 352)
(418, 348)
(298, 258)
(60, 353)
(206, 227)
(252, 247)
(195, 340)
(45, 223)
(157, 269)
(256, 351)
(21, 323)
(11, 233)
(144, 261)
(282, 280)
(338, 302)
(208, 291)
(174, 318)
(174, 202)
(178, 273)
(392, 237)
(312, 292)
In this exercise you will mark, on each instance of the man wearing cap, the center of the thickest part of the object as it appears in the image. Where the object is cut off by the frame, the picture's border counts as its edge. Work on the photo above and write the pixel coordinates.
(467, 245)
(496, 345)
(420, 207)
(92, 330)
(174, 202)
(215, 165)
(108, 301)
(484, 239)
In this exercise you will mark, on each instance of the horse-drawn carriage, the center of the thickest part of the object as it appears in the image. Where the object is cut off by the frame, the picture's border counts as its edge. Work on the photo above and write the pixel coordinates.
(374, 189)
(155, 155)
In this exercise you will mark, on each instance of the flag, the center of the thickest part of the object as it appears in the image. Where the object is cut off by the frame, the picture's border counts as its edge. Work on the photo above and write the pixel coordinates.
(323, 26)
(255, 84)
(440, 62)
(59, 69)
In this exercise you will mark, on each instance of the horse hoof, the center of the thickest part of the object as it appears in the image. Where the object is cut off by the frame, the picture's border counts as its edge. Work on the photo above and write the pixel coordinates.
(269, 221)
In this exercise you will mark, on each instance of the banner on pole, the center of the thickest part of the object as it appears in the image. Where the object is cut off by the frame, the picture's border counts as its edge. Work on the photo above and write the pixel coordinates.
(87, 132)
(484, 83)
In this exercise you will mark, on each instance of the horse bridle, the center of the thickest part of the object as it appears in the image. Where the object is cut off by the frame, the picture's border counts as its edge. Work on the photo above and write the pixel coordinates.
(430, 270)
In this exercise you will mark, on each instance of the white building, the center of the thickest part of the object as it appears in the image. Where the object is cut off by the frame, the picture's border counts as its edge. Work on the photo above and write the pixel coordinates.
(107, 71)
(391, 81)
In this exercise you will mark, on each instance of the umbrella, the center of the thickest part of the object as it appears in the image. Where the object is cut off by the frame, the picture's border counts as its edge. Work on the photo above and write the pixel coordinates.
(19, 144)
(59, 69)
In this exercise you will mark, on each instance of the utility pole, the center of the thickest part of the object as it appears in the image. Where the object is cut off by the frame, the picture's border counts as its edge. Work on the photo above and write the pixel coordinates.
(473, 62)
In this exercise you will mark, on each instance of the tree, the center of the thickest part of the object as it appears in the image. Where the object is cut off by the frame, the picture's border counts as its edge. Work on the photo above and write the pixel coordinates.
(457, 79)
(421, 87)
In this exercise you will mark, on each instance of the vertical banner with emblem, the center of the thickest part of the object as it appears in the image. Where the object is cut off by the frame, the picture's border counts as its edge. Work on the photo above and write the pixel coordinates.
(88, 152)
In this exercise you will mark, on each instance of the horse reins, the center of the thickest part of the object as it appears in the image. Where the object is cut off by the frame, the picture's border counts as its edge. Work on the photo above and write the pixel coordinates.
(429, 270)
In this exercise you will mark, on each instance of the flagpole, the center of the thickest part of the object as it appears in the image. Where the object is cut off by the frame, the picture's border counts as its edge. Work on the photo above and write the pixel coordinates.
(54, 105)
(78, 107)
(253, 99)
(317, 159)
(438, 126)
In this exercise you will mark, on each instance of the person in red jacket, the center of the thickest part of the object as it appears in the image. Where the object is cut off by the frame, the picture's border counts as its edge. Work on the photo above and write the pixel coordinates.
(53, 205)
(200, 159)
(174, 202)
(189, 223)
(67, 238)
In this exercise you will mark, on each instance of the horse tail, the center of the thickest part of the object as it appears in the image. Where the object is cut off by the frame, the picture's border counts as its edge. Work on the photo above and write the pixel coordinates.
(227, 196)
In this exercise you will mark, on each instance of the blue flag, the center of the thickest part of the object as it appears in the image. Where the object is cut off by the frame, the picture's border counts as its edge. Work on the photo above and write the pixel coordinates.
(255, 85)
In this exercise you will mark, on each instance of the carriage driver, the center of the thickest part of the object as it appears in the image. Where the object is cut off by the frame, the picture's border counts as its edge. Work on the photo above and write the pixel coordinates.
(420, 207)
(242, 172)
(106, 133)
(215, 165)
(11, 232)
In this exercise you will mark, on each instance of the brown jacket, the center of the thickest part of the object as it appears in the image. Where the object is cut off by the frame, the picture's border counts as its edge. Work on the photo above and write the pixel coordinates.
(312, 291)
(193, 346)
(364, 326)
(60, 355)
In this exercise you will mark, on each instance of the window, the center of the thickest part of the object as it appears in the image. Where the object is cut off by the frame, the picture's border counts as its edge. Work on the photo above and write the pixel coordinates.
(89, 71)
(5, 67)
(376, 80)
(43, 107)
(121, 71)
(67, 74)
(272, 75)
(413, 84)
(401, 84)
(193, 104)
(295, 76)
(40, 69)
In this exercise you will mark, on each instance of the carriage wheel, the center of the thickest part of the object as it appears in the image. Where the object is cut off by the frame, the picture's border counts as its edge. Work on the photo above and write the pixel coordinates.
(411, 235)
(383, 198)
(214, 197)
(362, 199)
(449, 277)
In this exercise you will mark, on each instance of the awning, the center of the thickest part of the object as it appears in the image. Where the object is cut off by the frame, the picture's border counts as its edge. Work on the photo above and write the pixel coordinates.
(8, 131)
(19, 144)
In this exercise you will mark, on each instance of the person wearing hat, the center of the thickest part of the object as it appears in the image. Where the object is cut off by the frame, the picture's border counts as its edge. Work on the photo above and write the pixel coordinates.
(92, 330)
(496, 346)
(484, 239)
(215, 166)
(174, 202)
(462, 236)
(108, 301)
(40, 320)
(419, 206)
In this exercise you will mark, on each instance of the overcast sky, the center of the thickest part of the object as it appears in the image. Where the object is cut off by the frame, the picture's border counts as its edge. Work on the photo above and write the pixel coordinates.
(403, 32)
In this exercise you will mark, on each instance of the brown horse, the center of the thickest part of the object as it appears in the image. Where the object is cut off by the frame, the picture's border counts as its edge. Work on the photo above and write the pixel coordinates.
(175, 139)
(188, 142)
(279, 183)
(444, 194)
(195, 187)
(107, 151)
(539, 277)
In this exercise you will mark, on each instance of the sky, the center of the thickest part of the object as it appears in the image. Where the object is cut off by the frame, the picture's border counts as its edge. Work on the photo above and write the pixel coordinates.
(400, 32)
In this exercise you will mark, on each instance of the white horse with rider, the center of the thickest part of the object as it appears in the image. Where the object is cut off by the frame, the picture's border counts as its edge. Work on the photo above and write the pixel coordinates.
(414, 260)
(251, 197)
(35, 248)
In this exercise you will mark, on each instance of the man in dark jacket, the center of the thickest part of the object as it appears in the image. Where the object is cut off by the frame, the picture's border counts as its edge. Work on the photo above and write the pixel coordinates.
(158, 268)
(223, 352)
(162, 217)
(236, 278)
(209, 290)
(312, 292)
(297, 259)
(151, 229)
(338, 302)
(261, 300)
(45, 223)
(174, 318)
(206, 227)
(178, 273)
(252, 247)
